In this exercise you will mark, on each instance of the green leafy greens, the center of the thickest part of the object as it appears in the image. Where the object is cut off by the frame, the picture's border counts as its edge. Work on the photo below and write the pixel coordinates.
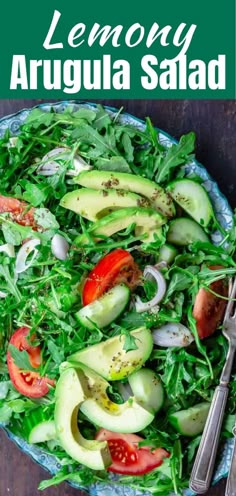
(47, 296)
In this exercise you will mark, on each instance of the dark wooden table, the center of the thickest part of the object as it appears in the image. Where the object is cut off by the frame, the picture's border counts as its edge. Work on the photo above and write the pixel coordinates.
(215, 125)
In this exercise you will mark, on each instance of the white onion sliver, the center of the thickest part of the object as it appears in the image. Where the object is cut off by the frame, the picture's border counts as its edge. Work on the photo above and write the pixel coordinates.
(3, 294)
(79, 165)
(171, 335)
(57, 153)
(23, 253)
(125, 390)
(49, 167)
(59, 246)
(12, 142)
(9, 249)
(160, 265)
(152, 272)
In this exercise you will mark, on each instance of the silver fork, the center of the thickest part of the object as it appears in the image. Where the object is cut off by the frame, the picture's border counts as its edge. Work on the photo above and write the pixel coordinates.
(205, 459)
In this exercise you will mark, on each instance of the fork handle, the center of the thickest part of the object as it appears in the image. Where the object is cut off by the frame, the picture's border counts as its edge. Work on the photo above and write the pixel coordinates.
(231, 481)
(204, 463)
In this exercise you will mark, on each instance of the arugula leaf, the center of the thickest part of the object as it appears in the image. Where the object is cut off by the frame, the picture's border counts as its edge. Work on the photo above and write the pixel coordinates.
(102, 119)
(85, 113)
(176, 155)
(90, 135)
(10, 282)
(229, 423)
(35, 194)
(56, 353)
(208, 276)
(210, 249)
(5, 413)
(21, 358)
(14, 233)
(153, 135)
(11, 234)
(181, 279)
(4, 388)
(117, 164)
(130, 341)
(174, 376)
(201, 348)
(38, 117)
(133, 320)
(176, 465)
(83, 476)
(192, 447)
(20, 405)
(45, 218)
(128, 147)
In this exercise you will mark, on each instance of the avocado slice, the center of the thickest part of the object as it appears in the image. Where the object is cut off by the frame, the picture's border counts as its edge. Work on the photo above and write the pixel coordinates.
(159, 199)
(111, 361)
(94, 204)
(71, 391)
(147, 220)
(131, 416)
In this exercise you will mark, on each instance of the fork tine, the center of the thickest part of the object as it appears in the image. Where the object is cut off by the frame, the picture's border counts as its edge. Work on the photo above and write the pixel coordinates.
(232, 293)
(230, 286)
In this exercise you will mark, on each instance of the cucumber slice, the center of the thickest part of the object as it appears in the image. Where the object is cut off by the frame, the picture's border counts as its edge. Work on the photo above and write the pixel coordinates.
(167, 253)
(38, 428)
(45, 431)
(193, 198)
(147, 388)
(190, 422)
(184, 231)
(105, 309)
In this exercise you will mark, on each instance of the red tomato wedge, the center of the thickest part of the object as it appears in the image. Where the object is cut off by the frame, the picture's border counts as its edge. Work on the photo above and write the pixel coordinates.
(116, 267)
(208, 308)
(28, 383)
(127, 457)
(18, 211)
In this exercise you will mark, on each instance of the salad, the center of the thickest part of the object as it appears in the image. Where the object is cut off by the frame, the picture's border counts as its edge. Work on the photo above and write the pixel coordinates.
(112, 294)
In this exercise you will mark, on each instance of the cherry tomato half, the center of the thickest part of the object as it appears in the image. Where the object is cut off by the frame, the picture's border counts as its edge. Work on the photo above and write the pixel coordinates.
(18, 211)
(127, 457)
(208, 308)
(116, 267)
(28, 383)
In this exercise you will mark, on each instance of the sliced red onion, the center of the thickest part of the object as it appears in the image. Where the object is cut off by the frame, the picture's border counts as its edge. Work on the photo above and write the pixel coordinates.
(23, 253)
(172, 334)
(151, 272)
(50, 167)
(59, 246)
(9, 249)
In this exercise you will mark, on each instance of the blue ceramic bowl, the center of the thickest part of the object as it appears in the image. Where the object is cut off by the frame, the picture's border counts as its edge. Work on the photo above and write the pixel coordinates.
(224, 215)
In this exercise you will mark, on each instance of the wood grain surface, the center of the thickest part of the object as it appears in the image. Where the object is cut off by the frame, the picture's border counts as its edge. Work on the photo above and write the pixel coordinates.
(215, 125)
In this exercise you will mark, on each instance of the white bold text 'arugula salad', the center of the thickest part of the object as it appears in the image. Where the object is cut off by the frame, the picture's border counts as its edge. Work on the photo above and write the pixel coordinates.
(112, 295)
